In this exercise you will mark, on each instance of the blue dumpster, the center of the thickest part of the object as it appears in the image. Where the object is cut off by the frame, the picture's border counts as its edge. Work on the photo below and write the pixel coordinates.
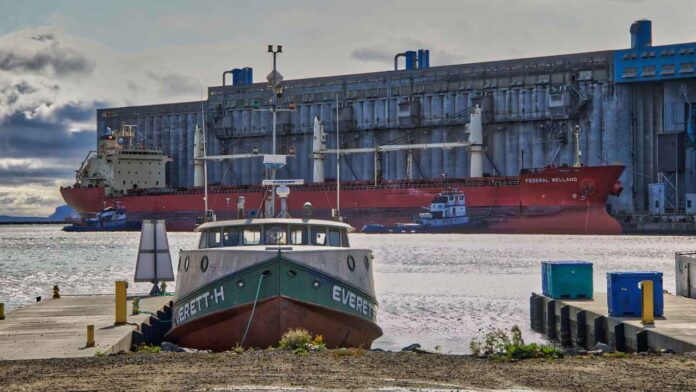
(566, 279)
(624, 297)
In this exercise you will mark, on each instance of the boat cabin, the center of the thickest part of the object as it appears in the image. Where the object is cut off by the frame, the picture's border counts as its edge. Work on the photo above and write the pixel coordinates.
(277, 231)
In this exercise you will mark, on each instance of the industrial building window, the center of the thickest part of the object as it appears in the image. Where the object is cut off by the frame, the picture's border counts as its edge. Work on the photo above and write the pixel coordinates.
(630, 72)
(686, 67)
(667, 69)
(648, 70)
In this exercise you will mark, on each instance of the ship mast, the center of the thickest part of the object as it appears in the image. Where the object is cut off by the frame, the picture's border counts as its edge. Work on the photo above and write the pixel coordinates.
(338, 166)
(205, 167)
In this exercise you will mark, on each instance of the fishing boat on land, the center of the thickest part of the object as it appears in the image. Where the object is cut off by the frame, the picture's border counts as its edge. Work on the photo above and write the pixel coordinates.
(253, 278)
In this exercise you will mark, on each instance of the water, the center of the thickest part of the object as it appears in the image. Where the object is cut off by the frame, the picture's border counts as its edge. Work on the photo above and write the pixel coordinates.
(436, 290)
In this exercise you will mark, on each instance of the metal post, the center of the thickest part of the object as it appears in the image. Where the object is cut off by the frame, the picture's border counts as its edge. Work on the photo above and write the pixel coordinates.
(676, 174)
(648, 312)
(121, 286)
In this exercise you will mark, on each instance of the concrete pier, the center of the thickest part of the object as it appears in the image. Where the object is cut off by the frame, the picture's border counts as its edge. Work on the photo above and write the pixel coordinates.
(583, 323)
(57, 328)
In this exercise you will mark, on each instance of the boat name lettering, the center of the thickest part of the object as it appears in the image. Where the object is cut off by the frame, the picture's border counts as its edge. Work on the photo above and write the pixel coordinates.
(353, 301)
(198, 304)
(552, 179)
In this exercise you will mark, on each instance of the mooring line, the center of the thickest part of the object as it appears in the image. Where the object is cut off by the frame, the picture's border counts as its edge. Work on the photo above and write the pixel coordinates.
(253, 309)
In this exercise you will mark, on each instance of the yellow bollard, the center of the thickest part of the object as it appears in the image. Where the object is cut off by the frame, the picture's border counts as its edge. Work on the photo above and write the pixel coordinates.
(121, 286)
(56, 292)
(2, 311)
(136, 306)
(648, 313)
(90, 336)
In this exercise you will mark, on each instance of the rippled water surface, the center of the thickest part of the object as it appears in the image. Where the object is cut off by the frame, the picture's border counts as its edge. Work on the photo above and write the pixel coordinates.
(436, 290)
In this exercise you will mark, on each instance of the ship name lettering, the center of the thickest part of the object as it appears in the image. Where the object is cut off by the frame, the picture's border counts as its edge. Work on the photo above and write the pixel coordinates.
(353, 301)
(553, 179)
(219, 294)
(198, 304)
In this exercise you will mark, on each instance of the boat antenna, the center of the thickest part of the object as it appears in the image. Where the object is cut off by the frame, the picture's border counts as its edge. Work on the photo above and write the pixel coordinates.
(338, 166)
(205, 166)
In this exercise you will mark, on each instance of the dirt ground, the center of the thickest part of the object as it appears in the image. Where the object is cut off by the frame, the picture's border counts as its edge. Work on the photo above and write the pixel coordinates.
(264, 370)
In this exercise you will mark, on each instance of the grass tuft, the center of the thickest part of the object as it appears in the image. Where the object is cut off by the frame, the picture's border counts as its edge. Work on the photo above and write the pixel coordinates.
(300, 342)
(498, 344)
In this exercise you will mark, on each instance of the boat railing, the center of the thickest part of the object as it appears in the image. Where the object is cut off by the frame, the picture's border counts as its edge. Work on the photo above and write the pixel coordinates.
(331, 187)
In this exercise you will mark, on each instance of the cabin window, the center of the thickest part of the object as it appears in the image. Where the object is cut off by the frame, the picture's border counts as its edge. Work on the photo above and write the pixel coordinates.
(230, 236)
(203, 243)
(213, 238)
(344, 239)
(298, 235)
(318, 235)
(334, 237)
(252, 235)
(276, 235)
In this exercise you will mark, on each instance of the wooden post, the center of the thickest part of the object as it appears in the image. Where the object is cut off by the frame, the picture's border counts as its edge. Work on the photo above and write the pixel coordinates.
(90, 336)
(121, 317)
(2, 311)
(648, 308)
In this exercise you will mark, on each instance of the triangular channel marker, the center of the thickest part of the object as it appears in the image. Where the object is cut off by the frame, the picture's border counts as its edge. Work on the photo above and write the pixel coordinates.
(154, 261)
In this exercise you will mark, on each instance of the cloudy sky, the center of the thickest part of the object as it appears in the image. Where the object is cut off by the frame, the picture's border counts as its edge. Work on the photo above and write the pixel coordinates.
(60, 60)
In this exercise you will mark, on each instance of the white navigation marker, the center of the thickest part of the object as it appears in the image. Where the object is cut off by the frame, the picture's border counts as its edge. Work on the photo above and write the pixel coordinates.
(154, 261)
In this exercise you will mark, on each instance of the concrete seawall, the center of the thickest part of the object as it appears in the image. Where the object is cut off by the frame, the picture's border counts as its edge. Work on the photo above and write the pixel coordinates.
(583, 323)
(56, 328)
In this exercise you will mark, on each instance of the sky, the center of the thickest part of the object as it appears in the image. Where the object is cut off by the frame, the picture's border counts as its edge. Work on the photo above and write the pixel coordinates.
(61, 60)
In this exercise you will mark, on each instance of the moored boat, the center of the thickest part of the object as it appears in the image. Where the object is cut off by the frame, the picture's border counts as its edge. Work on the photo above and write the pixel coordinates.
(112, 218)
(251, 280)
(446, 214)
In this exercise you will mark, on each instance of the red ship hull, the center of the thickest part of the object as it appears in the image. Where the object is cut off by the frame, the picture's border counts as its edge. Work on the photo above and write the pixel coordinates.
(554, 200)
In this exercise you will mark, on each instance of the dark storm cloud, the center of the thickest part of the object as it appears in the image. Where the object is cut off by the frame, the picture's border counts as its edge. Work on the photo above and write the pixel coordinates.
(51, 59)
(14, 198)
(36, 137)
(24, 173)
(171, 83)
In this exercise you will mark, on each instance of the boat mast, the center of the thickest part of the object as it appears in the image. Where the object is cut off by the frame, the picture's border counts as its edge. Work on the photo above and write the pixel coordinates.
(205, 167)
(338, 166)
(274, 85)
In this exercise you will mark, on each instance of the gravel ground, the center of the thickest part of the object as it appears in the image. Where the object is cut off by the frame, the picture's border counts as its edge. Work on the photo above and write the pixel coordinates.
(264, 370)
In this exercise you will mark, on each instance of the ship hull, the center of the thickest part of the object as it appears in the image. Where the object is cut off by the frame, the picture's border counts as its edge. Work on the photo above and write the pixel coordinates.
(216, 315)
(561, 200)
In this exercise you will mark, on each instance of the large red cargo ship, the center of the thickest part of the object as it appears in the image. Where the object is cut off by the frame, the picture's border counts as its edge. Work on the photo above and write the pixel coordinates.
(553, 200)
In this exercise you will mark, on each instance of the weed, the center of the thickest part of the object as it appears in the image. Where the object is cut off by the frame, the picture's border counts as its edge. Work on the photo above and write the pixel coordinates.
(238, 349)
(144, 348)
(498, 344)
(99, 354)
(300, 341)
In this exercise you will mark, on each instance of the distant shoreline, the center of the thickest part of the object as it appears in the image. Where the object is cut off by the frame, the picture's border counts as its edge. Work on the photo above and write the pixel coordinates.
(9, 223)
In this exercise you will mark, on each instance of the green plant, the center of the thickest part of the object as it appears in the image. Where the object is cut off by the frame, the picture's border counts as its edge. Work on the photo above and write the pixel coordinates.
(238, 349)
(144, 348)
(498, 344)
(300, 341)
(99, 354)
